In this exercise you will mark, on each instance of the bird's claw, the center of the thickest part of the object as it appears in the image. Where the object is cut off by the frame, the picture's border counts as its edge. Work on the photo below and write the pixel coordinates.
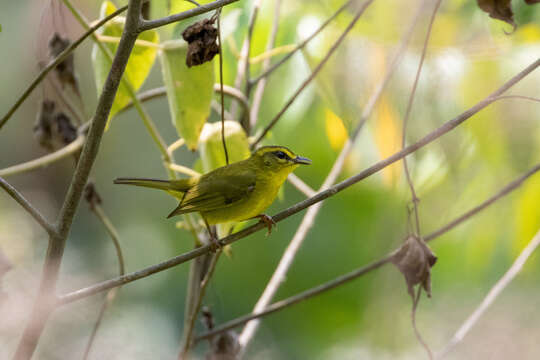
(215, 245)
(268, 222)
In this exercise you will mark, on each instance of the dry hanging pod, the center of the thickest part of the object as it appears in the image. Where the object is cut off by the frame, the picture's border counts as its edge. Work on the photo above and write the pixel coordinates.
(65, 129)
(223, 346)
(414, 260)
(66, 68)
(44, 121)
(202, 45)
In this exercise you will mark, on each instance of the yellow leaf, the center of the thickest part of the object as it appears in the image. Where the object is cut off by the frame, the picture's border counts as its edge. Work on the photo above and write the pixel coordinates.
(335, 130)
(388, 138)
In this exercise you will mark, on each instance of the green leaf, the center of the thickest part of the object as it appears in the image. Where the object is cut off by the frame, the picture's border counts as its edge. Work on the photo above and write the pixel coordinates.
(211, 145)
(140, 61)
(189, 91)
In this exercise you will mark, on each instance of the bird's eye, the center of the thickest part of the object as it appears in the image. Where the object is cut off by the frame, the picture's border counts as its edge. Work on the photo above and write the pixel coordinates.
(281, 154)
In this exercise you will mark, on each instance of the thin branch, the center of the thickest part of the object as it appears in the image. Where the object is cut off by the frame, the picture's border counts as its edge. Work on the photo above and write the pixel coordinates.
(300, 46)
(61, 57)
(259, 90)
(18, 197)
(309, 219)
(317, 69)
(242, 68)
(203, 8)
(443, 129)
(46, 298)
(332, 284)
(222, 95)
(188, 332)
(46, 160)
(175, 145)
(111, 295)
(147, 120)
(415, 199)
(492, 295)
(182, 169)
(422, 342)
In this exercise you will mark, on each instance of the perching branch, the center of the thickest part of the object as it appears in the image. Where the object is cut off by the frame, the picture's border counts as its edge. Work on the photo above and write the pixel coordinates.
(17, 196)
(61, 57)
(203, 8)
(343, 279)
(221, 91)
(317, 69)
(445, 128)
(494, 292)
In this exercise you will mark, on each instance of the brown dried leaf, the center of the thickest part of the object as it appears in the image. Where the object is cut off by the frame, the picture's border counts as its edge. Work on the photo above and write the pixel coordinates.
(44, 121)
(65, 129)
(202, 45)
(532, 2)
(414, 260)
(223, 346)
(498, 9)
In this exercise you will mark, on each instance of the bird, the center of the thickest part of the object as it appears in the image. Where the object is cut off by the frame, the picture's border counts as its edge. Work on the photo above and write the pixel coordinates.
(236, 192)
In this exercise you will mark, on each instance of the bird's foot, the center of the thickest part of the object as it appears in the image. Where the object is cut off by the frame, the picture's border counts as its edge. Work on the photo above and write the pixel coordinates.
(215, 245)
(267, 221)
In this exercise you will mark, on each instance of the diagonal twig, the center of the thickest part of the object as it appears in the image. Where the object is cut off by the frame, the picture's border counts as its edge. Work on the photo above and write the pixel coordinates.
(30, 209)
(314, 73)
(61, 57)
(492, 295)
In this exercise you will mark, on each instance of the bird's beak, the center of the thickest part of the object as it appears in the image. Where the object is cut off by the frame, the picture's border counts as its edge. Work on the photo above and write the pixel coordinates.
(302, 160)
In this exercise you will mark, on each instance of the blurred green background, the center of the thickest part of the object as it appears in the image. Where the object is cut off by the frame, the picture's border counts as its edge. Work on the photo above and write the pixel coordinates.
(469, 56)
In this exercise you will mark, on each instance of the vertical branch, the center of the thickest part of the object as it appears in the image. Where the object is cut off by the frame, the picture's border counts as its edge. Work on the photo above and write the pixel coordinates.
(46, 297)
(259, 90)
(222, 95)
(307, 222)
(415, 199)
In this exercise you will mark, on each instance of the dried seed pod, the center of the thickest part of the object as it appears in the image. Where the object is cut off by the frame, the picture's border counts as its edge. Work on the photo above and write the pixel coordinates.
(222, 346)
(414, 260)
(43, 126)
(65, 69)
(65, 129)
(202, 45)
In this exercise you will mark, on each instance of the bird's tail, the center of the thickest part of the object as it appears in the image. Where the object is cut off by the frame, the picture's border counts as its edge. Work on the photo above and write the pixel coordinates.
(180, 185)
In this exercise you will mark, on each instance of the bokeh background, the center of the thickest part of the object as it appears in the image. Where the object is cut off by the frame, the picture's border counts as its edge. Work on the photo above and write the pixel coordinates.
(469, 56)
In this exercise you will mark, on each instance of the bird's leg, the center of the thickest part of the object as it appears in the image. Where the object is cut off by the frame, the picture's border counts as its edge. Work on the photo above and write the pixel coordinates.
(214, 243)
(267, 221)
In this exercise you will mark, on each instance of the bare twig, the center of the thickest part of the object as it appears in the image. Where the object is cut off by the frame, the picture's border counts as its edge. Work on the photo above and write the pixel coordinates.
(61, 57)
(46, 298)
(188, 331)
(332, 284)
(111, 295)
(317, 69)
(494, 292)
(17, 196)
(203, 8)
(300, 46)
(46, 160)
(422, 342)
(443, 129)
(415, 199)
(259, 90)
(222, 95)
(309, 218)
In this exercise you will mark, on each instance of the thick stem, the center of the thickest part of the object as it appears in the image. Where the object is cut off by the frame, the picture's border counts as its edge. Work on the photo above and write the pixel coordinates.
(44, 303)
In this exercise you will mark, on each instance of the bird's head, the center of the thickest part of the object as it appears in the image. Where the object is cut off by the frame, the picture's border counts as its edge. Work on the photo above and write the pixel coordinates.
(279, 159)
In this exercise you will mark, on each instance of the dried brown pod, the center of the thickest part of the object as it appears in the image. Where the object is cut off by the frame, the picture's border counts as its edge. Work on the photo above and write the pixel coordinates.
(44, 122)
(498, 9)
(414, 260)
(202, 42)
(65, 70)
(64, 128)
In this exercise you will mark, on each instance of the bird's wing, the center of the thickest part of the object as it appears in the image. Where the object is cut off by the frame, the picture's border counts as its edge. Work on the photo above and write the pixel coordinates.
(216, 192)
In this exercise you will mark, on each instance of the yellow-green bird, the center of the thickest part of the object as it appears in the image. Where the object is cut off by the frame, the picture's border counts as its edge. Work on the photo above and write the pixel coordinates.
(235, 192)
